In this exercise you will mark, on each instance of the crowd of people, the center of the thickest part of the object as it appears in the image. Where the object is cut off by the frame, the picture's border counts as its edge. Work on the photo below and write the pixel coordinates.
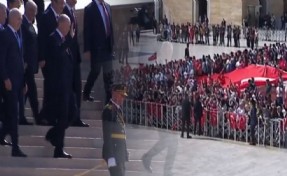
(170, 83)
(200, 33)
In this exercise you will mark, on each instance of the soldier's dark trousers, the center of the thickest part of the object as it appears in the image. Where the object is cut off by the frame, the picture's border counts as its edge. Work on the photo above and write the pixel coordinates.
(252, 134)
(185, 122)
(119, 170)
(229, 41)
(197, 121)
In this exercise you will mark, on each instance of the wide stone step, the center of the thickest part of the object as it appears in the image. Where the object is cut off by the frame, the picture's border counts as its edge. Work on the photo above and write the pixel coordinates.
(136, 144)
(75, 163)
(96, 105)
(10, 171)
(92, 123)
(76, 152)
(91, 132)
(94, 114)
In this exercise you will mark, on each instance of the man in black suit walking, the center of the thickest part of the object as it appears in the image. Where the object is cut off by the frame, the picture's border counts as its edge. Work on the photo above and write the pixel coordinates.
(98, 45)
(12, 74)
(46, 26)
(30, 54)
(186, 109)
(69, 10)
(62, 77)
(3, 17)
(41, 7)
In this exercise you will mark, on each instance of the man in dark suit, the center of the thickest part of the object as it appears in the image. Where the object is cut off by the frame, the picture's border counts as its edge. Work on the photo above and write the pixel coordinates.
(3, 17)
(186, 109)
(30, 54)
(12, 74)
(46, 26)
(115, 148)
(10, 5)
(62, 77)
(41, 7)
(198, 111)
(98, 45)
(186, 52)
(75, 49)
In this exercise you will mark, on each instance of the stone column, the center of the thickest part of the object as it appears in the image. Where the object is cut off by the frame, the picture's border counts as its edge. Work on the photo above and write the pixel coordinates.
(208, 9)
(195, 11)
(156, 10)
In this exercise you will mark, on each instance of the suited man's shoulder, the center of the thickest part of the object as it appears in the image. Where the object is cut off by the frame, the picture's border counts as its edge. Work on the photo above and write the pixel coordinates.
(91, 5)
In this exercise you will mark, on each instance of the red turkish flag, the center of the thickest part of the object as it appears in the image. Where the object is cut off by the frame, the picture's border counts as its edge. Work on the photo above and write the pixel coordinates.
(152, 57)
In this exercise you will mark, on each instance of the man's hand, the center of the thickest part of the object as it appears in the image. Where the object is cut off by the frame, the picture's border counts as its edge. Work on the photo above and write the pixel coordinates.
(112, 162)
(87, 55)
(8, 85)
(42, 63)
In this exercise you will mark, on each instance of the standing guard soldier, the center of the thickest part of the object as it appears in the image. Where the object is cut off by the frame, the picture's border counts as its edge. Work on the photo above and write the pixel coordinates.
(114, 149)
(186, 111)
(229, 34)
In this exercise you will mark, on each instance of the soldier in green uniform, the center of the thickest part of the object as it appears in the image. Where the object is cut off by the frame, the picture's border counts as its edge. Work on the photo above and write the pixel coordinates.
(114, 149)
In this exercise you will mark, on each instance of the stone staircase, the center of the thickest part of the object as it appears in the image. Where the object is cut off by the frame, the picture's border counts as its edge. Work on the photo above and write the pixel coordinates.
(85, 145)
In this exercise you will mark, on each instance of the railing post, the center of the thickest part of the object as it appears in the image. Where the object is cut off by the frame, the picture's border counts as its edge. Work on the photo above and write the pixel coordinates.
(167, 116)
(161, 114)
(140, 112)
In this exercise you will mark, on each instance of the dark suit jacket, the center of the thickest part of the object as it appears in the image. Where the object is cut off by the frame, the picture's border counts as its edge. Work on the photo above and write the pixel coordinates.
(11, 59)
(198, 110)
(186, 53)
(30, 45)
(46, 26)
(75, 49)
(61, 62)
(95, 39)
(186, 107)
(253, 116)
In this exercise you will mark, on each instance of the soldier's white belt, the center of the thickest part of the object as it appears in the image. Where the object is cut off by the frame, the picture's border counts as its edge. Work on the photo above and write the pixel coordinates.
(118, 136)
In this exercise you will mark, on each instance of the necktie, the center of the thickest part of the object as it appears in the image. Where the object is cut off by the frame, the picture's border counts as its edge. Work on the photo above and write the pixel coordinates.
(18, 39)
(74, 18)
(107, 20)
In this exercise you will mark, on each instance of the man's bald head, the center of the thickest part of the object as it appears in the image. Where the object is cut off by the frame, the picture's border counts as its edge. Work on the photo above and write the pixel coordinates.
(64, 24)
(15, 19)
(31, 10)
(3, 14)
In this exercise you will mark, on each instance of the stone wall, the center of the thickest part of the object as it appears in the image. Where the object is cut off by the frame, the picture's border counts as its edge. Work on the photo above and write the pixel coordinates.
(178, 11)
(230, 10)
(276, 7)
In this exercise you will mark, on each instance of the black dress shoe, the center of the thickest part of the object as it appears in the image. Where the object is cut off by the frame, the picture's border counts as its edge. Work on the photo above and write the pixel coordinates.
(189, 137)
(25, 122)
(18, 153)
(4, 142)
(61, 154)
(182, 136)
(88, 98)
(146, 163)
(80, 124)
